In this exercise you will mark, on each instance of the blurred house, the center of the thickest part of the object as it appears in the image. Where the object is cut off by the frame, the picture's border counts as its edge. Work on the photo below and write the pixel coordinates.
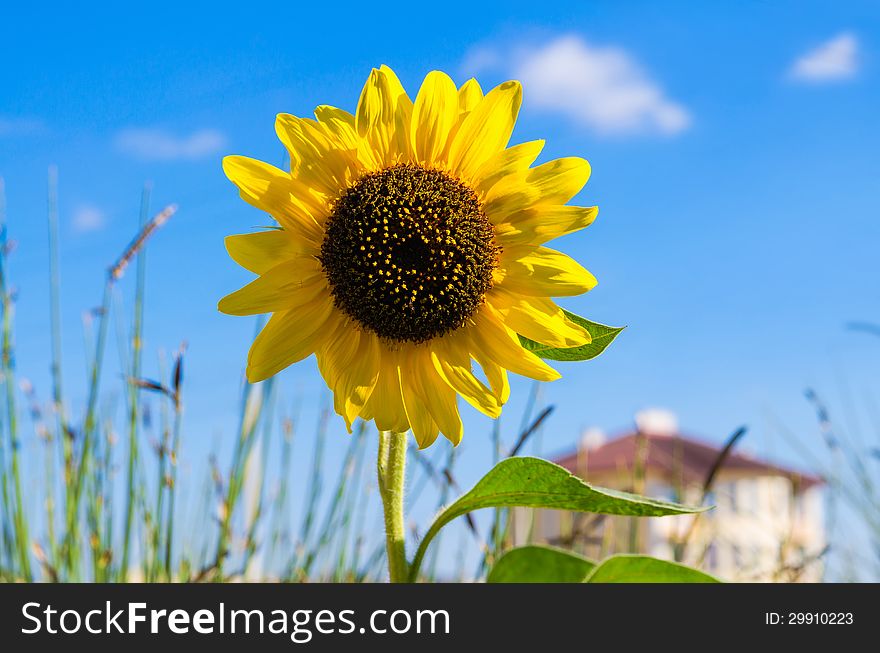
(767, 524)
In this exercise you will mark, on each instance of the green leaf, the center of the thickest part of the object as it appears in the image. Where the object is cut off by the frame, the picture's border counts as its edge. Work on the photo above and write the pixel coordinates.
(602, 334)
(644, 569)
(536, 483)
(540, 564)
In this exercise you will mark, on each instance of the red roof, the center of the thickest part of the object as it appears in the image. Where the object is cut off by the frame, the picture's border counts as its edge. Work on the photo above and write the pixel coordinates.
(673, 455)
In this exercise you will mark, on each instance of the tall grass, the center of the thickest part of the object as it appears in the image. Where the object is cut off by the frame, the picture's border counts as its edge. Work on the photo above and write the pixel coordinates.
(112, 492)
(7, 369)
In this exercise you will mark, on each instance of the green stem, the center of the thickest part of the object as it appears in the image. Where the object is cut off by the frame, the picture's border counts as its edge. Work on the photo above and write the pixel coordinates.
(172, 484)
(133, 394)
(71, 543)
(164, 452)
(20, 523)
(391, 468)
(55, 322)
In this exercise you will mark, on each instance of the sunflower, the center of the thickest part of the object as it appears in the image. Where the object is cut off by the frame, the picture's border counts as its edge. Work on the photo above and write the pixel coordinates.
(409, 247)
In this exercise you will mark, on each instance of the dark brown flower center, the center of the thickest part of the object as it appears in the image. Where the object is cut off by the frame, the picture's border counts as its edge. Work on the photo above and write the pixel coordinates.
(409, 253)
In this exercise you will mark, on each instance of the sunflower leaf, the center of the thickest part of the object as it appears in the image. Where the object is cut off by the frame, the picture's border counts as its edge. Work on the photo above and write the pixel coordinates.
(540, 564)
(644, 569)
(535, 483)
(603, 335)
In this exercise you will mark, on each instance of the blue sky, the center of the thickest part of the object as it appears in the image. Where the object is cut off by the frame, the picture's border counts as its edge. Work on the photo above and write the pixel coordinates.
(734, 154)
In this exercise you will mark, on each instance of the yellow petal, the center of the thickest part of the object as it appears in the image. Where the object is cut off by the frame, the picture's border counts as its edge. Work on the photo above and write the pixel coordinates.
(539, 319)
(452, 362)
(272, 190)
(537, 225)
(286, 286)
(382, 119)
(288, 337)
(418, 413)
(373, 114)
(486, 130)
(402, 114)
(512, 161)
(559, 180)
(469, 96)
(349, 363)
(385, 405)
(434, 114)
(542, 272)
(495, 374)
(442, 401)
(501, 345)
(554, 182)
(261, 251)
(319, 162)
(340, 125)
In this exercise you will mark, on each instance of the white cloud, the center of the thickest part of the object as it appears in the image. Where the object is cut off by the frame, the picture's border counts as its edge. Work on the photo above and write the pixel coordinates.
(19, 126)
(88, 218)
(835, 59)
(481, 58)
(161, 145)
(600, 87)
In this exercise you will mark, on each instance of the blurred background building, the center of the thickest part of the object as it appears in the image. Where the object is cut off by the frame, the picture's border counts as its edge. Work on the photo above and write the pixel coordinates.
(767, 524)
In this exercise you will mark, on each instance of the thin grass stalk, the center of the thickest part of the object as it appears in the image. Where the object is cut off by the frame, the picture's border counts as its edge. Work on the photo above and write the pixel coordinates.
(56, 348)
(536, 429)
(107, 538)
(197, 532)
(443, 500)
(850, 450)
(163, 451)
(20, 523)
(92, 522)
(250, 417)
(170, 484)
(373, 568)
(495, 532)
(500, 516)
(355, 489)
(8, 550)
(7, 553)
(423, 474)
(503, 517)
(51, 493)
(133, 394)
(226, 505)
(360, 535)
(279, 535)
(169, 523)
(330, 526)
(147, 517)
(639, 478)
(177, 389)
(99, 499)
(99, 509)
(234, 484)
(256, 518)
(70, 547)
(680, 551)
(313, 491)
